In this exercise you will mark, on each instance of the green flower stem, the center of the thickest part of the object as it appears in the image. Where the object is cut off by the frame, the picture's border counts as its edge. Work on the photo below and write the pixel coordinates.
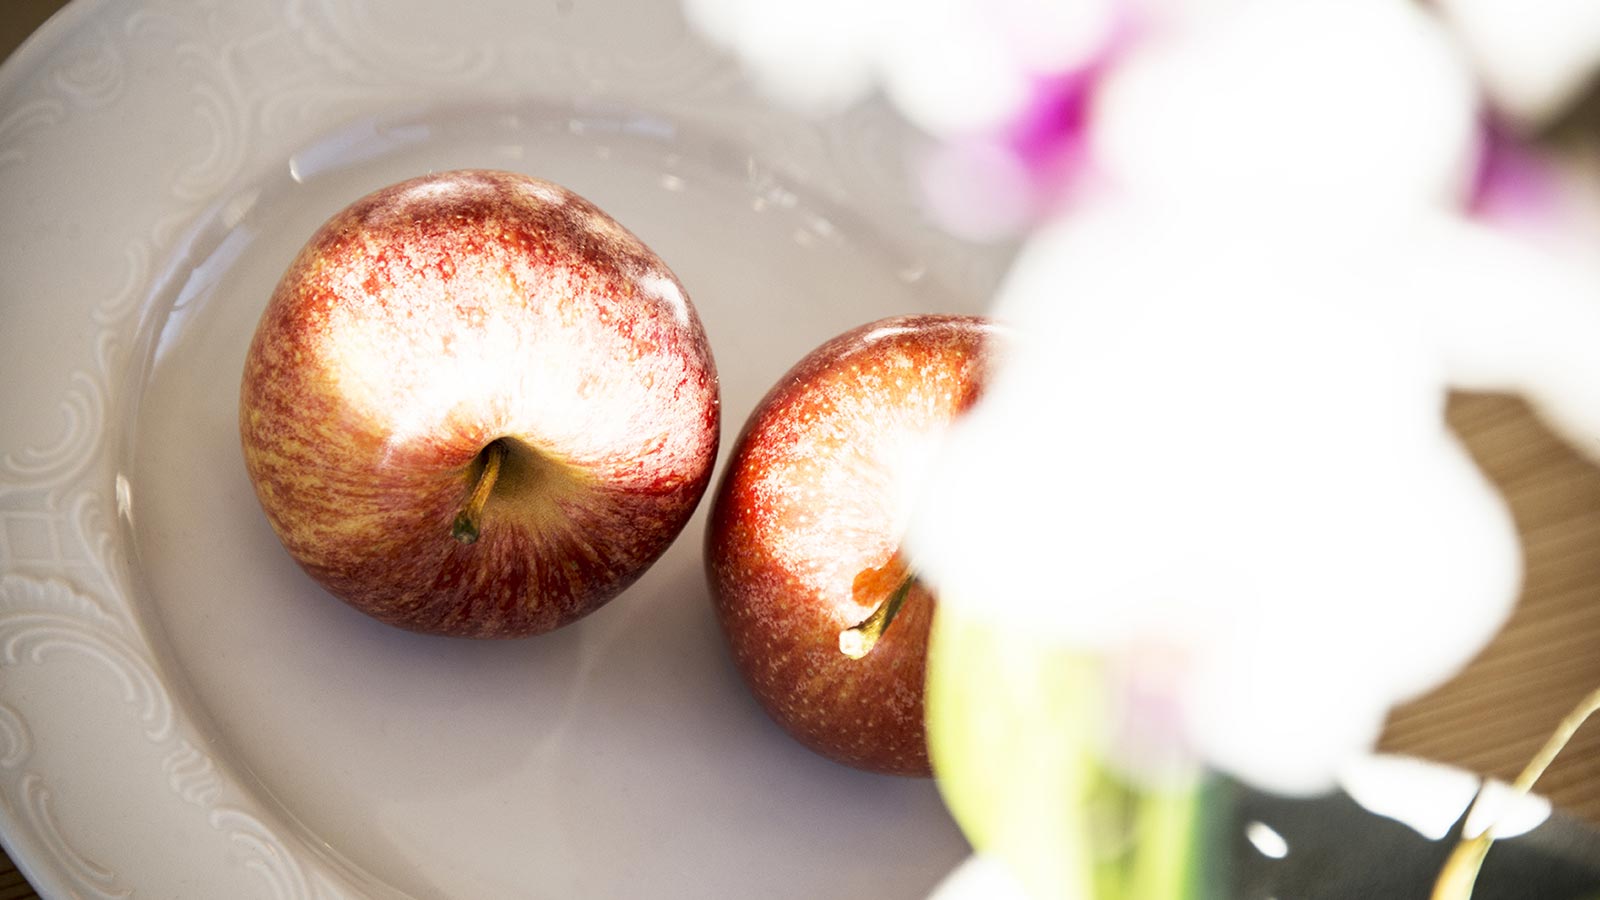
(1460, 872)
(1015, 728)
(1006, 732)
(1166, 864)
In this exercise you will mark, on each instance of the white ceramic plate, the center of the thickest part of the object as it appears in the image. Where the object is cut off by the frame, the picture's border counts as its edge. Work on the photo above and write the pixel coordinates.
(182, 712)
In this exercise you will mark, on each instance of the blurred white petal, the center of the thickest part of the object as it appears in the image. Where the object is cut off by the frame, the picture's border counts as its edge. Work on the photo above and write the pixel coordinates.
(976, 190)
(1534, 57)
(981, 877)
(1271, 720)
(1293, 102)
(817, 56)
(1509, 812)
(1052, 36)
(953, 67)
(1430, 797)
(1226, 436)
(948, 70)
(1172, 15)
(1425, 796)
(719, 20)
(1513, 317)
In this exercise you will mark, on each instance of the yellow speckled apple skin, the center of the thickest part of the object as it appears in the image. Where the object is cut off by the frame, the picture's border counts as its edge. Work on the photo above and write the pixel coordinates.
(804, 537)
(435, 316)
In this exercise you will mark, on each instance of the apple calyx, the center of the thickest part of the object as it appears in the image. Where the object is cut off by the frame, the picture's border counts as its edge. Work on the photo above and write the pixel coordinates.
(466, 526)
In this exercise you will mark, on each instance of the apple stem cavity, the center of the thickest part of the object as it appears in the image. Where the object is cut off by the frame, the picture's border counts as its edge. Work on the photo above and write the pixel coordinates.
(859, 639)
(467, 523)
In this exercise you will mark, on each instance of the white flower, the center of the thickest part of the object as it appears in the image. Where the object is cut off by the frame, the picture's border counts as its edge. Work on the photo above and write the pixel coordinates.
(1351, 102)
(1217, 448)
(1225, 444)
(952, 67)
(1216, 455)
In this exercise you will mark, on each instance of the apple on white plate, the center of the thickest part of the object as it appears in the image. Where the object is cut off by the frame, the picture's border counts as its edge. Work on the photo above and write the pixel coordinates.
(826, 624)
(476, 405)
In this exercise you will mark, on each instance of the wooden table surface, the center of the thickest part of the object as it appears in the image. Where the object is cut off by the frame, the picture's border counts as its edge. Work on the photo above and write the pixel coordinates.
(1494, 715)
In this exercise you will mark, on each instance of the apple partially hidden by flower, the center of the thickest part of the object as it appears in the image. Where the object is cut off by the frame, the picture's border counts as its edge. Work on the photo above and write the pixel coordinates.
(476, 405)
(826, 624)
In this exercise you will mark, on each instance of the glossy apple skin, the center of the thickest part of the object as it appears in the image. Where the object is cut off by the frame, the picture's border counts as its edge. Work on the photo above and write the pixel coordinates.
(802, 541)
(433, 317)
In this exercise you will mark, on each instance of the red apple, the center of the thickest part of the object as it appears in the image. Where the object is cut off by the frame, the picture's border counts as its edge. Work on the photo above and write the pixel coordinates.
(476, 405)
(826, 625)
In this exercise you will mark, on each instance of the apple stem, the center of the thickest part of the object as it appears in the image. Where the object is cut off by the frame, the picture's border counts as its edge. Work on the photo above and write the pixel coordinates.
(465, 528)
(859, 639)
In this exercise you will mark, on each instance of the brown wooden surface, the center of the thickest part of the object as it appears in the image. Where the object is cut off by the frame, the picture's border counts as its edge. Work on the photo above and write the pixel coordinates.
(1496, 713)
(12, 884)
(1494, 716)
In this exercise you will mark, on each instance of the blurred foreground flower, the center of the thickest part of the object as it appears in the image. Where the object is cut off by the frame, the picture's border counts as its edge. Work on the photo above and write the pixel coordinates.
(1208, 514)
(1218, 450)
(953, 67)
(1212, 482)
(1214, 465)
(1000, 83)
